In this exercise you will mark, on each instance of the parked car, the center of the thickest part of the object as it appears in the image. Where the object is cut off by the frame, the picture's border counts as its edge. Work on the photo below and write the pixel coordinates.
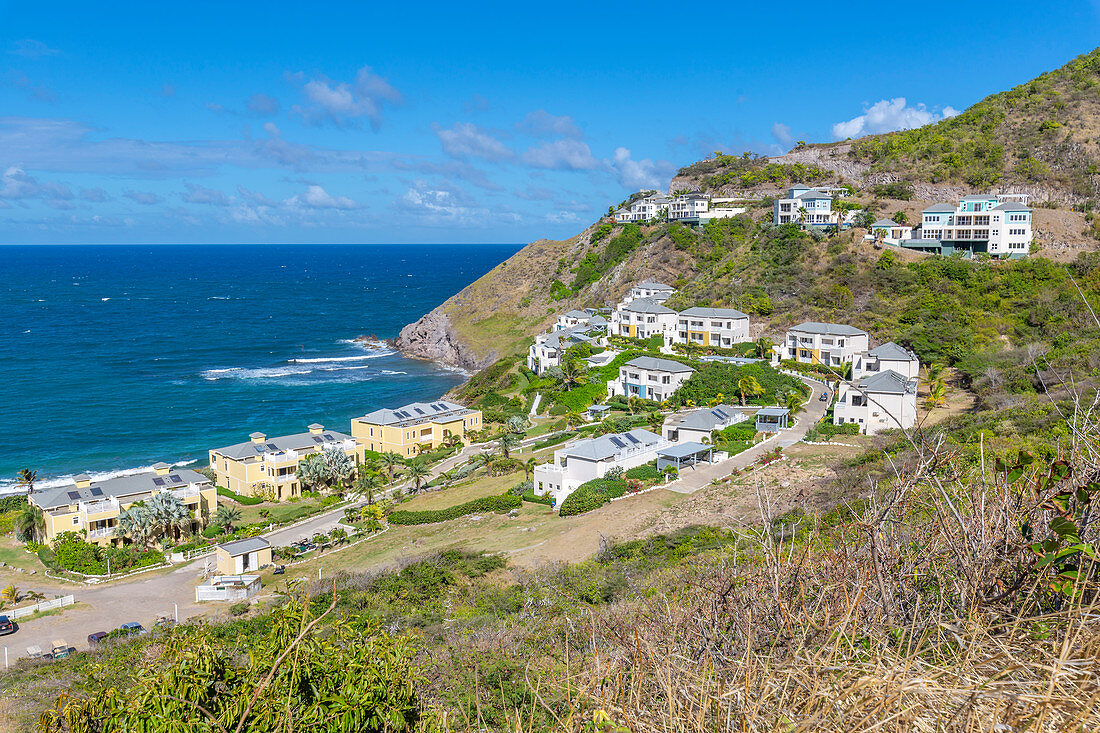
(6, 626)
(35, 652)
(824, 397)
(279, 570)
(131, 628)
(96, 637)
(61, 649)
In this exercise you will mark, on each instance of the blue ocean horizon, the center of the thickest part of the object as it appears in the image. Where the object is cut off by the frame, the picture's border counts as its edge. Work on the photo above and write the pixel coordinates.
(119, 356)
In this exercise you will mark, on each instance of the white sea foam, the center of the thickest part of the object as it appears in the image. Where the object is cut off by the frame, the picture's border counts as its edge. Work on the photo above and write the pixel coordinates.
(387, 371)
(327, 359)
(104, 299)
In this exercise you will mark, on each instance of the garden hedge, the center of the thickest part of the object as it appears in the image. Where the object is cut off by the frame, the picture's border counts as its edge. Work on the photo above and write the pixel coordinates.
(534, 498)
(592, 495)
(484, 504)
(246, 500)
(646, 472)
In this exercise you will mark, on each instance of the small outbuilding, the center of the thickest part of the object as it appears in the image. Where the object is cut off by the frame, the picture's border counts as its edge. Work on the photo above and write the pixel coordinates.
(598, 412)
(228, 588)
(240, 556)
(684, 454)
(772, 419)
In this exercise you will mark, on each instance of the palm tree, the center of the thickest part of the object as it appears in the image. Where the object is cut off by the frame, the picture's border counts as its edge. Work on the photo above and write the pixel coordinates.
(391, 461)
(748, 386)
(26, 479)
(417, 471)
(170, 514)
(794, 402)
(226, 517)
(656, 421)
(340, 468)
(137, 522)
(572, 374)
(366, 483)
(35, 596)
(30, 524)
(478, 460)
(632, 403)
(507, 442)
(573, 419)
(764, 346)
(10, 593)
(937, 385)
(529, 468)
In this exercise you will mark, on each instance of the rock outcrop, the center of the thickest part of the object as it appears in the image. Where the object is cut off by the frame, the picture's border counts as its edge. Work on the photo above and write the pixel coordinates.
(433, 338)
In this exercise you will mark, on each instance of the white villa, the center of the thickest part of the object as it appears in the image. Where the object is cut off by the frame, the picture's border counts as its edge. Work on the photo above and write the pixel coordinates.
(655, 291)
(642, 318)
(697, 425)
(832, 344)
(810, 207)
(888, 357)
(878, 402)
(593, 458)
(994, 224)
(718, 327)
(892, 232)
(689, 208)
(549, 347)
(575, 318)
(643, 209)
(650, 378)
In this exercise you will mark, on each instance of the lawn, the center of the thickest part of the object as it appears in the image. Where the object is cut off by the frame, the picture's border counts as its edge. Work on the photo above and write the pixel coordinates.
(12, 553)
(463, 492)
(282, 512)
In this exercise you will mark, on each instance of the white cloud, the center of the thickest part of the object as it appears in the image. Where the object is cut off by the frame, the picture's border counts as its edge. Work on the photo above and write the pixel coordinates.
(16, 183)
(638, 174)
(32, 49)
(562, 217)
(316, 197)
(465, 140)
(439, 205)
(254, 197)
(569, 155)
(95, 195)
(887, 115)
(199, 195)
(142, 197)
(262, 104)
(541, 123)
(341, 102)
(782, 134)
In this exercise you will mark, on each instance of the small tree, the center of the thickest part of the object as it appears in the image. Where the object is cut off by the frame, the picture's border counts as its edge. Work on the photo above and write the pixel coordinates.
(10, 593)
(391, 461)
(507, 442)
(226, 517)
(417, 471)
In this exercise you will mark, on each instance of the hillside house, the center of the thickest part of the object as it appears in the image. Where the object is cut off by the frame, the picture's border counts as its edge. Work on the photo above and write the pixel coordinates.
(549, 348)
(650, 378)
(888, 356)
(831, 344)
(643, 209)
(698, 425)
(593, 458)
(877, 402)
(997, 225)
(891, 232)
(711, 327)
(419, 424)
(642, 318)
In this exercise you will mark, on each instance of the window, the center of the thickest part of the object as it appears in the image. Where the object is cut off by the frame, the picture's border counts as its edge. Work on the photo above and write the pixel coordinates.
(76, 521)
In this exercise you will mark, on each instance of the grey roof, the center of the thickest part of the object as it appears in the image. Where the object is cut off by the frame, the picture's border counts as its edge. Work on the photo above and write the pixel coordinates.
(599, 408)
(597, 320)
(813, 195)
(646, 305)
(735, 360)
(888, 223)
(297, 441)
(829, 329)
(887, 382)
(714, 313)
(119, 487)
(979, 197)
(575, 314)
(773, 411)
(892, 351)
(710, 418)
(607, 446)
(660, 365)
(939, 208)
(1011, 206)
(242, 547)
(684, 450)
(415, 412)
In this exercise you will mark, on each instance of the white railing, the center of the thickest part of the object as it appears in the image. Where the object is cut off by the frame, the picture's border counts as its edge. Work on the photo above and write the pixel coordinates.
(105, 532)
(185, 493)
(282, 457)
(95, 507)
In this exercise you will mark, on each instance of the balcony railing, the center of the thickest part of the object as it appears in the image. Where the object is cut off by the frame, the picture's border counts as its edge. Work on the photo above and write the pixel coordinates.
(105, 532)
(188, 492)
(98, 507)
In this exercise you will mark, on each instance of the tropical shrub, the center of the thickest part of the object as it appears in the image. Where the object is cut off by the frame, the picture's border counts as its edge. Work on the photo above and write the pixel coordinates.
(497, 504)
(246, 500)
(592, 495)
(647, 472)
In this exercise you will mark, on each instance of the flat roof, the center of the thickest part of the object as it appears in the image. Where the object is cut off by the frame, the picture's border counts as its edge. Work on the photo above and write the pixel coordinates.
(772, 411)
(684, 450)
(243, 547)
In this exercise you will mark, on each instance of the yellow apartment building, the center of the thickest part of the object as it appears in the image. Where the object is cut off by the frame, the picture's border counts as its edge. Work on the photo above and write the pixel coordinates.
(401, 431)
(263, 465)
(93, 507)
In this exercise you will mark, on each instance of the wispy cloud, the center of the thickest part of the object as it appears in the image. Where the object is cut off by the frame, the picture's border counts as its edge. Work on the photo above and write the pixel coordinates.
(541, 123)
(343, 103)
(17, 184)
(200, 195)
(644, 173)
(145, 198)
(888, 115)
(32, 49)
(315, 197)
(262, 105)
(464, 140)
(571, 155)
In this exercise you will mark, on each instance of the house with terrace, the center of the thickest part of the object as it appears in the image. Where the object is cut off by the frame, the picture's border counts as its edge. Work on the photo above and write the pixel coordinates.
(419, 425)
(830, 344)
(589, 317)
(711, 327)
(806, 206)
(890, 231)
(697, 426)
(877, 402)
(590, 459)
(642, 318)
(549, 348)
(888, 356)
(655, 291)
(269, 466)
(995, 224)
(92, 507)
(650, 378)
(643, 209)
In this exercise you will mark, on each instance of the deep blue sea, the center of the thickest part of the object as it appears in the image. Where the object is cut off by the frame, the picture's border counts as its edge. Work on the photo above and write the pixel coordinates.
(116, 357)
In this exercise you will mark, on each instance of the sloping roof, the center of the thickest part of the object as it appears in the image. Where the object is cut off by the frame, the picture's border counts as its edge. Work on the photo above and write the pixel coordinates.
(892, 351)
(773, 411)
(575, 314)
(607, 446)
(418, 411)
(652, 363)
(597, 320)
(934, 208)
(1011, 206)
(813, 195)
(118, 487)
(297, 441)
(710, 418)
(714, 313)
(654, 285)
(887, 223)
(684, 450)
(646, 305)
(241, 547)
(979, 197)
(828, 329)
(887, 382)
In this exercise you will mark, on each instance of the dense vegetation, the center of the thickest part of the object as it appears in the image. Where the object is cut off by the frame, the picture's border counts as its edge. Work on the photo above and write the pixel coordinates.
(748, 170)
(503, 503)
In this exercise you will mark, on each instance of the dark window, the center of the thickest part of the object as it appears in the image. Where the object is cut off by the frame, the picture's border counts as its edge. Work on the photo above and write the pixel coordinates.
(158, 481)
(97, 491)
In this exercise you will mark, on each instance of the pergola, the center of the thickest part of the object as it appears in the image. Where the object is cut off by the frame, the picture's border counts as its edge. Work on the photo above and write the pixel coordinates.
(684, 454)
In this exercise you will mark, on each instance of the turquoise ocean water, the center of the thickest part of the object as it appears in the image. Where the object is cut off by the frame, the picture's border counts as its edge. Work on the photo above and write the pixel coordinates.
(116, 357)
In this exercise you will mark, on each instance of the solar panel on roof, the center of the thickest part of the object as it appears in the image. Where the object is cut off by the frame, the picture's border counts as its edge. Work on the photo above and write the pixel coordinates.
(74, 494)
(175, 479)
(271, 446)
(158, 481)
(630, 437)
(617, 443)
(318, 439)
(328, 436)
(97, 491)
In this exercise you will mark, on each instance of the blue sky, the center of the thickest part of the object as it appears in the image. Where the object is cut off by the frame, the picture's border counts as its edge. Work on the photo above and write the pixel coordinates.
(423, 122)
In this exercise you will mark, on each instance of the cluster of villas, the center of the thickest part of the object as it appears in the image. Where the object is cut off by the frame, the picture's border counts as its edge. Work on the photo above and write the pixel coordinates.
(692, 209)
(995, 224)
(260, 466)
